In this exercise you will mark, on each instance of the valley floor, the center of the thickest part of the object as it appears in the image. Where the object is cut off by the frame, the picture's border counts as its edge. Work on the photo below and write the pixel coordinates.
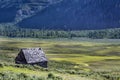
(72, 59)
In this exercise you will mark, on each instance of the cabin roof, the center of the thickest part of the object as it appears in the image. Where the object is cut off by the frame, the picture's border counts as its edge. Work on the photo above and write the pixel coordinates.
(34, 55)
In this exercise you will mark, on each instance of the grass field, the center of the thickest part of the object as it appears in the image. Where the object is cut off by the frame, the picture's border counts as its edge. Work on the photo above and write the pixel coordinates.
(75, 58)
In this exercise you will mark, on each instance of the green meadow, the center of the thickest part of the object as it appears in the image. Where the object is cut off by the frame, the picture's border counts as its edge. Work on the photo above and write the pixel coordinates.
(71, 59)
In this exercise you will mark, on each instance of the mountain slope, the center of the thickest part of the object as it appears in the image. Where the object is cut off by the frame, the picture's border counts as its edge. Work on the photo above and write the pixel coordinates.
(61, 14)
(77, 14)
(17, 10)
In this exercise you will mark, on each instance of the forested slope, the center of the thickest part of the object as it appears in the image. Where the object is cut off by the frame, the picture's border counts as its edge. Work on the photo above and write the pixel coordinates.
(13, 31)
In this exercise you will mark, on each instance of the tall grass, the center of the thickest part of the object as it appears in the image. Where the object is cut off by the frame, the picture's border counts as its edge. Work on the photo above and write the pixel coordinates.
(84, 58)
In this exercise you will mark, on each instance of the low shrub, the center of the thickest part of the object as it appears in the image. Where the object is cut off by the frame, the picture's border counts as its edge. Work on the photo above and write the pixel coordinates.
(51, 76)
(1, 65)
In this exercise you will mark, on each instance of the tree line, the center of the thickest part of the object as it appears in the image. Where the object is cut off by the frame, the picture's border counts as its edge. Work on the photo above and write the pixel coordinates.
(13, 31)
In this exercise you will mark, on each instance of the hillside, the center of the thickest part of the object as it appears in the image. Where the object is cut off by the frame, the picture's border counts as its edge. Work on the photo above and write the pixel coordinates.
(61, 14)
(17, 10)
(10, 30)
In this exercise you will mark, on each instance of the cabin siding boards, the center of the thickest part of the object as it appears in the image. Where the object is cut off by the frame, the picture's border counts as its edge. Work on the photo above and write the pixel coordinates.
(32, 56)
